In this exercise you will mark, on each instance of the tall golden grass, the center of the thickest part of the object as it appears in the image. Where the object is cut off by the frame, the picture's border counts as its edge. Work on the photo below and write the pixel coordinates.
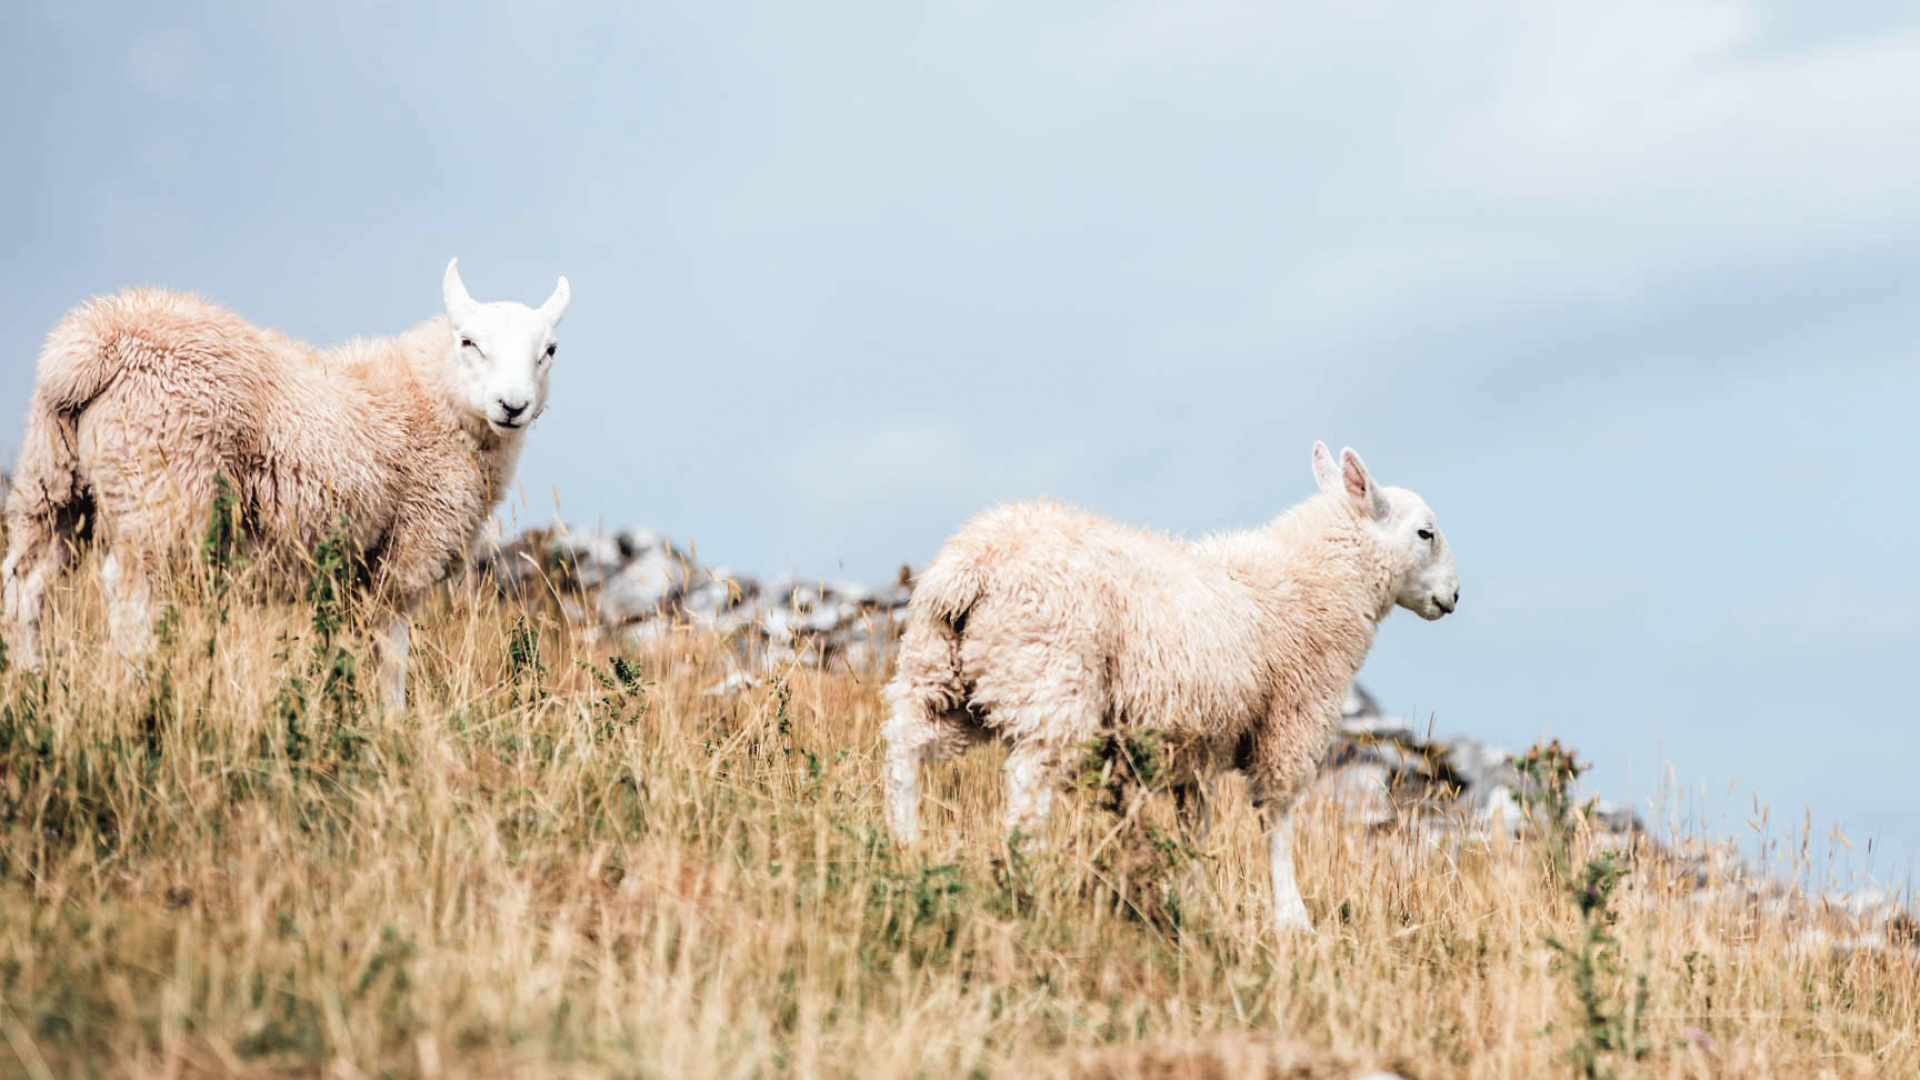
(560, 865)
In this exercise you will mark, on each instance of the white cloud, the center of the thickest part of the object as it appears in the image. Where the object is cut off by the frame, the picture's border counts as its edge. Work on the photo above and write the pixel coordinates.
(1675, 104)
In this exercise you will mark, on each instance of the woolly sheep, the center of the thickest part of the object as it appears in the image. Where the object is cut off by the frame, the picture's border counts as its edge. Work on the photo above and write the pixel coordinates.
(142, 399)
(1042, 625)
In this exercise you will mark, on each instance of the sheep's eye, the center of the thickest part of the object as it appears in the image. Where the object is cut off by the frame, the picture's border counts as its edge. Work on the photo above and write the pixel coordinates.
(551, 349)
(1426, 534)
(467, 343)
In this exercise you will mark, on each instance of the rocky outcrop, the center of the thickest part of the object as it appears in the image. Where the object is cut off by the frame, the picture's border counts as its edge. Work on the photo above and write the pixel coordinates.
(1387, 773)
(636, 586)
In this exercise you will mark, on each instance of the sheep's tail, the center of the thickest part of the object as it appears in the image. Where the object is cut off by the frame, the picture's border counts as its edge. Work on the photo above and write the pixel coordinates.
(82, 358)
(47, 492)
(86, 352)
(49, 495)
(928, 685)
(949, 588)
(927, 715)
(47, 479)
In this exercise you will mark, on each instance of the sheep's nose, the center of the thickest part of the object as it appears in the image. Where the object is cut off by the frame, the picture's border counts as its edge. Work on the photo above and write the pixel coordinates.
(1456, 596)
(511, 409)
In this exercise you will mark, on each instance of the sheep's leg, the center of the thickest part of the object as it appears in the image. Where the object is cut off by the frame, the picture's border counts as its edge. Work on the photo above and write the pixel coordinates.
(413, 565)
(903, 789)
(395, 644)
(419, 543)
(1030, 784)
(917, 734)
(1289, 911)
(1284, 753)
(31, 565)
(129, 603)
(928, 720)
(914, 737)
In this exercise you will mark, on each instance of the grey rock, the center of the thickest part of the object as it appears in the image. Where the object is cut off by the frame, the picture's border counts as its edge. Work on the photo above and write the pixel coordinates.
(1378, 727)
(649, 632)
(1359, 703)
(704, 601)
(778, 624)
(1480, 765)
(642, 588)
(1614, 818)
(779, 590)
(1500, 812)
(825, 619)
(639, 539)
(850, 592)
(593, 554)
(1361, 790)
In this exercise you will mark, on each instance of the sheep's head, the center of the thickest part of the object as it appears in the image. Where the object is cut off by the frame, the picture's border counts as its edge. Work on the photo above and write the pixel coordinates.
(501, 353)
(1424, 580)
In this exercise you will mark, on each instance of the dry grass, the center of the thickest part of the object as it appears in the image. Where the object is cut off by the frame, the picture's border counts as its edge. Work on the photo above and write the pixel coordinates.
(560, 875)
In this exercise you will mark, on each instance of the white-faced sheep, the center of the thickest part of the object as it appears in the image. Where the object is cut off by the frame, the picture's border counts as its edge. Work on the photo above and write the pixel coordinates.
(144, 399)
(1043, 626)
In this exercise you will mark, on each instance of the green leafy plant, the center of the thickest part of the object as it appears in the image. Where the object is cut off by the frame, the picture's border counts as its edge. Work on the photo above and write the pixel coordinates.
(523, 658)
(1121, 767)
(1550, 771)
(624, 701)
(1141, 866)
(326, 690)
(222, 544)
(1608, 1030)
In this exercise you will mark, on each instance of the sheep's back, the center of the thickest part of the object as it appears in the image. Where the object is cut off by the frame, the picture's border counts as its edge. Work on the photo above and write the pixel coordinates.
(1158, 635)
(183, 356)
(165, 381)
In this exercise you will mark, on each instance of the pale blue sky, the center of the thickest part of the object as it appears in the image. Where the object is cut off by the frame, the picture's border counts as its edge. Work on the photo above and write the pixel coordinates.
(1629, 291)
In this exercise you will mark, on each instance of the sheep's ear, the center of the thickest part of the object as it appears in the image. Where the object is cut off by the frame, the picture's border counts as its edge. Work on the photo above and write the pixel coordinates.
(453, 292)
(1361, 491)
(556, 305)
(1325, 473)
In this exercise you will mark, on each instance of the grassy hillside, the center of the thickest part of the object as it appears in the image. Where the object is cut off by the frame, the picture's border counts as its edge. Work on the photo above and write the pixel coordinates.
(563, 862)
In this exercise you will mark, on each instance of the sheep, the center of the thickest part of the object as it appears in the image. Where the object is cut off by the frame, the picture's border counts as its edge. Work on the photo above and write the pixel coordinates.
(144, 401)
(1043, 625)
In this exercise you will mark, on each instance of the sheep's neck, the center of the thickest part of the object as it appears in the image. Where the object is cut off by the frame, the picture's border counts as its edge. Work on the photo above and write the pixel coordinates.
(1324, 586)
